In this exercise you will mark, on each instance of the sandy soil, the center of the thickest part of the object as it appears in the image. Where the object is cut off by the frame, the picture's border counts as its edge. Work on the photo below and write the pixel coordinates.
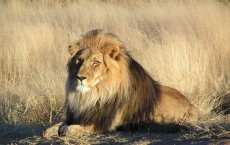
(32, 134)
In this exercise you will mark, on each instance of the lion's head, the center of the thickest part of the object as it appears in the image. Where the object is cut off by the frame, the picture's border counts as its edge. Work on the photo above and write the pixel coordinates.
(98, 67)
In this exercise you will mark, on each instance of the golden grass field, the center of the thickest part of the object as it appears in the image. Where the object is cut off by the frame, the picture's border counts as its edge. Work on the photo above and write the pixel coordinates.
(182, 44)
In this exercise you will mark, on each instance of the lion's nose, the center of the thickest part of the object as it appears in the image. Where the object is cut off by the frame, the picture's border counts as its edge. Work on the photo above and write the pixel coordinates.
(81, 78)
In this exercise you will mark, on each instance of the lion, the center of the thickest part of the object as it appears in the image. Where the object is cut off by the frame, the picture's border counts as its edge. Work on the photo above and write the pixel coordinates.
(107, 89)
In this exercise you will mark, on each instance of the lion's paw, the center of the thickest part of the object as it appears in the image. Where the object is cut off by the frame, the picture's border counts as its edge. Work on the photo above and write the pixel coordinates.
(73, 130)
(51, 131)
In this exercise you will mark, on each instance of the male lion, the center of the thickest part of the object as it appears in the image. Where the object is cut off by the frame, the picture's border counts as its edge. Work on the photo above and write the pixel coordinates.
(106, 89)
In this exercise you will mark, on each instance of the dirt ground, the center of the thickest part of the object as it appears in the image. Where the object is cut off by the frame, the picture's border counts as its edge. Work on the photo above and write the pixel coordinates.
(33, 134)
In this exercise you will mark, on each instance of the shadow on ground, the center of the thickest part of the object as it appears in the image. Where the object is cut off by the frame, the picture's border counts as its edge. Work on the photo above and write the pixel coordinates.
(15, 133)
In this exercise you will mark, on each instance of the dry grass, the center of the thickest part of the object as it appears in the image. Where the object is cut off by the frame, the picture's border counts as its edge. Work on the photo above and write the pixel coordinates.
(183, 44)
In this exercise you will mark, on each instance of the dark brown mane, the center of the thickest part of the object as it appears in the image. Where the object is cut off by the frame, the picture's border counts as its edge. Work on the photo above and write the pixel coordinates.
(145, 92)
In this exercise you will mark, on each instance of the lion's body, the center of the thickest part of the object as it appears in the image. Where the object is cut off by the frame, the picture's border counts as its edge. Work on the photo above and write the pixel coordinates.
(106, 88)
(174, 107)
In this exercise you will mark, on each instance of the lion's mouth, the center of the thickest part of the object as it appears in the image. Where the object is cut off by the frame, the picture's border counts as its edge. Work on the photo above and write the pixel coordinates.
(82, 88)
(85, 87)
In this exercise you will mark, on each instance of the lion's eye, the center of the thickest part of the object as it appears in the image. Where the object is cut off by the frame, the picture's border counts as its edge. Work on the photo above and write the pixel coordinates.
(95, 63)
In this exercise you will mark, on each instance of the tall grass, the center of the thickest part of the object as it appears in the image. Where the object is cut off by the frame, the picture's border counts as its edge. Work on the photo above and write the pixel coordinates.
(183, 44)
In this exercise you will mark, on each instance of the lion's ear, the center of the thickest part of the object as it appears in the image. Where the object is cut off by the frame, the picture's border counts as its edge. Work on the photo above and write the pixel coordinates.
(73, 48)
(112, 50)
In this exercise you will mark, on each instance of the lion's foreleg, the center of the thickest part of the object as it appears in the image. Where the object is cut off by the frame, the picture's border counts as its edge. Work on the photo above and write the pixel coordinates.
(63, 129)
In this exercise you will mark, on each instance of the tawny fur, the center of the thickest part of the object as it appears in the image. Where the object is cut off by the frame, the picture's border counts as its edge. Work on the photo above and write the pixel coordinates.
(106, 88)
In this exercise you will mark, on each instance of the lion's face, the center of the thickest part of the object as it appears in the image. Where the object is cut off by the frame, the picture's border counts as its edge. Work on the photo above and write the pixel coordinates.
(98, 66)
(89, 69)
(89, 64)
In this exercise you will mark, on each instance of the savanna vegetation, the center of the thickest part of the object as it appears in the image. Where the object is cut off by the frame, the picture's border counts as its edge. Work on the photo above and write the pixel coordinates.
(182, 44)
